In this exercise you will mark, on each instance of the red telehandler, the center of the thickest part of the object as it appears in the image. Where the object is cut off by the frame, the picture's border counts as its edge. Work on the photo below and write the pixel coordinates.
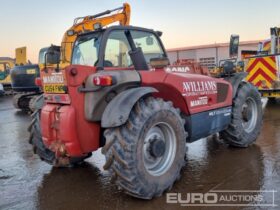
(121, 94)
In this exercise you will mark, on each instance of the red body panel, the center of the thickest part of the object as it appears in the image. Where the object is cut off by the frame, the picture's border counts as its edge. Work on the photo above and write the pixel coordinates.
(59, 126)
(66, 123)
(57, 98)
(188, 66)
(187, 90)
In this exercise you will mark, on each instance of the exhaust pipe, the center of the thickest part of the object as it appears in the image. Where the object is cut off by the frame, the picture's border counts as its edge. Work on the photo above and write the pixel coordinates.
(274, 40)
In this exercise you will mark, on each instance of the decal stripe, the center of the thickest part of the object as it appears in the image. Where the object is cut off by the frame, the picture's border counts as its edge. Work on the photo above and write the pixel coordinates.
(260, 72)
(259, 82)
(262, 69)
(265, 70)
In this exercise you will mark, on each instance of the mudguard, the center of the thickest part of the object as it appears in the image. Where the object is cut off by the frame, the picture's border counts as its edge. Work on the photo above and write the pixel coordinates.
(117, 111)
(235, 80)
(38, 102)
(98, 98)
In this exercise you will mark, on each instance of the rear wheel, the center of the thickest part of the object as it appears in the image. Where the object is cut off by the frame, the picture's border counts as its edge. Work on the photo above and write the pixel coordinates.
(32, 101)
(42, 151)
(145, 155)
(36, 140)
(246, 120)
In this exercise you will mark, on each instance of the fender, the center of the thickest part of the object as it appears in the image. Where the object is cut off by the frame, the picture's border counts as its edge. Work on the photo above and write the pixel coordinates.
(97, 99)
(235, 81)
(113, 116)
(38, 102)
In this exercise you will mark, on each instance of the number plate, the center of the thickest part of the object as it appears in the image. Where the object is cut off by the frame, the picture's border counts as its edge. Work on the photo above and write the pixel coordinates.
(272, 94)
(31, 71)
(54, 88)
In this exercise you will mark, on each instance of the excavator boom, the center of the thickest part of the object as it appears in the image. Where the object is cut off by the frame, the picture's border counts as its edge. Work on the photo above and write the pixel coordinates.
(90, 23)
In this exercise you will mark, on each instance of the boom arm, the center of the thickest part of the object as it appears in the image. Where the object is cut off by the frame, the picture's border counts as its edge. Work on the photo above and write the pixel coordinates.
(87, 23)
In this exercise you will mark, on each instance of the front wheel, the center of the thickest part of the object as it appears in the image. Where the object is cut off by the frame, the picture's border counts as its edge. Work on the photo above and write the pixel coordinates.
(247, 116)
(145, 155)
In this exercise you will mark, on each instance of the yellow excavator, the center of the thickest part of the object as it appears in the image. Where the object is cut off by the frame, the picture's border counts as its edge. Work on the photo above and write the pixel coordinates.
(91, 23)
(5, 81)
(6, 64)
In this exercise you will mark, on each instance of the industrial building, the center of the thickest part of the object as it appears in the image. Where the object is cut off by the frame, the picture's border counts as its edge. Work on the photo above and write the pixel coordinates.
(208, 55)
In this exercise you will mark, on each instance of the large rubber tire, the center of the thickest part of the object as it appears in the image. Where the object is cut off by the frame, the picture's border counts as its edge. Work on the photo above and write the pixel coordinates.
(247, 117)
(126, 153)
(42, 151)
(33, 99)
(36, 140)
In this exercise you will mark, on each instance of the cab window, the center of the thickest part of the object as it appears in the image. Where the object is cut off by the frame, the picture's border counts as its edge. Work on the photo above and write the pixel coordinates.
(2, 67)
(86, 50)
(149, 44)
(116, 51)
(117, 48)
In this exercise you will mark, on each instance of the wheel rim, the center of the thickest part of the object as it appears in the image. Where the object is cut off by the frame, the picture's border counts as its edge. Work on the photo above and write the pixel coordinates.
(156, 159)
(249, 115)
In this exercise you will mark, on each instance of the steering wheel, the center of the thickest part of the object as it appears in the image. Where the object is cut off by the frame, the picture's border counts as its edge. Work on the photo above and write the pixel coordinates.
(108, 63)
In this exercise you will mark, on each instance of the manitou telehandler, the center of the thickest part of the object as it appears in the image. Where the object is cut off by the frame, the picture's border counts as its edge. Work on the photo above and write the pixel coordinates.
(121, 94)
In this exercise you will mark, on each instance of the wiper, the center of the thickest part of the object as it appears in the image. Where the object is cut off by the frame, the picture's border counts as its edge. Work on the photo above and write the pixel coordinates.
(87, 38)
(83, 40)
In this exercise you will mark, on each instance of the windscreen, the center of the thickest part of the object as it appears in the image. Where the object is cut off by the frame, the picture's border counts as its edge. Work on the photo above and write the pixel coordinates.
(86, 50)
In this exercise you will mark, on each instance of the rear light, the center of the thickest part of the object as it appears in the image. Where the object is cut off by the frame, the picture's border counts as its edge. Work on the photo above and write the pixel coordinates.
(57, 98)
(104, 80)
(38, 81)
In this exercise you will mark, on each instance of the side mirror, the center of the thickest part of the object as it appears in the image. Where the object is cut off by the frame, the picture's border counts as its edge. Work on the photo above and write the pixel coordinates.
(233, 46)
(159, 63)
(52, 57)
(159, 33)
(149, 41)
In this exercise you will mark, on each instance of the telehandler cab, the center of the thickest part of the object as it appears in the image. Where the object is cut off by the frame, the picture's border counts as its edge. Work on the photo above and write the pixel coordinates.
(118, 94)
